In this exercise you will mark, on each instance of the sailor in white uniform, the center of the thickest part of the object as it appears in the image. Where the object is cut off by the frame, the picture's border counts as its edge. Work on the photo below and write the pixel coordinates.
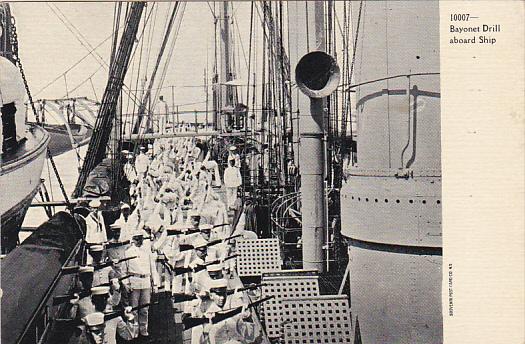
(237, 327)
(234, 155)
(161, 116)
(232, 181)
(141, 281)
(141, 163)
(95, 224)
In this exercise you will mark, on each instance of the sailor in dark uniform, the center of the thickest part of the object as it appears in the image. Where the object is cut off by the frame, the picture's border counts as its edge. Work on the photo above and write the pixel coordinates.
(126, 329)
(93, 331)
(82, 306)
(98, 331)
(104, 275)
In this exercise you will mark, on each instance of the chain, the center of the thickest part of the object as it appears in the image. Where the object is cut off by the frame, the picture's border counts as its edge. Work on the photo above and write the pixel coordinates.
(16, 57)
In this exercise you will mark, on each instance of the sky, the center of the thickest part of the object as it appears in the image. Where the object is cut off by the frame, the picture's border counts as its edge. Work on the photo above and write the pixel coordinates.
(48, 48)
(55, 36)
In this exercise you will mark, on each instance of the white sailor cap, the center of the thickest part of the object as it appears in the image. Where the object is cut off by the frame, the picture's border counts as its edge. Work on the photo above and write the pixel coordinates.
(194, 213)
(85, 269)
(100, 290)
(179, 225)
(82, 211)
(168, 197)
(125, 206)
(205, 227)
(140, 234)
(214, 267)
(199, 242)
(220, 283)
(125, 152)
(142, 148)
(105, 198)
(95, 203)
(232, 148)
(94, 319)
(116, 226)
(96, 248)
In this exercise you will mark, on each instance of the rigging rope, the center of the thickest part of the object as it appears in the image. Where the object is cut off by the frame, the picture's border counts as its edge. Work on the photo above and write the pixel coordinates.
(170, 53)
(98, 142)
(83, 41)
(146, 97)
(70, 26)
(82, 83)
(347, 114)
(16, 56)
(72, 66)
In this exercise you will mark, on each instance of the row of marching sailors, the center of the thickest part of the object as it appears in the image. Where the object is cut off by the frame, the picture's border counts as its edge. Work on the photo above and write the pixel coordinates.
(180, 171)
(144, 246)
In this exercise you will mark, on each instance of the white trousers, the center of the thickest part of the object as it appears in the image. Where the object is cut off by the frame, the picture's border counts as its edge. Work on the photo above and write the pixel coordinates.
(231, 196)
(212, 165)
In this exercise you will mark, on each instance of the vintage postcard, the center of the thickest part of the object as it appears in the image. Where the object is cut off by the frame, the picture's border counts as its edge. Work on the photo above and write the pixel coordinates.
(214, 172)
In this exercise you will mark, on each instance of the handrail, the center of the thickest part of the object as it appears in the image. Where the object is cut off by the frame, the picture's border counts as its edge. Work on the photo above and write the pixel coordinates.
(349, 87)
(279, 207)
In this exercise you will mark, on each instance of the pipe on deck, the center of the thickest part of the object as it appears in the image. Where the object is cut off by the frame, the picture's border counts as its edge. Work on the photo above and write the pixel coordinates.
(312, 156)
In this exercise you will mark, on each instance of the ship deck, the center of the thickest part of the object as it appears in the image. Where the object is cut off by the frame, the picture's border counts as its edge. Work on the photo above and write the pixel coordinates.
(165, 324)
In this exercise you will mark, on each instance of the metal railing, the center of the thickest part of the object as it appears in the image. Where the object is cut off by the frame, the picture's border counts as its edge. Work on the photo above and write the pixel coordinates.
(286, 226)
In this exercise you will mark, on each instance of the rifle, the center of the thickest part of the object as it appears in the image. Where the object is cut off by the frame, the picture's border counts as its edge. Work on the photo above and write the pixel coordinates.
(181, 297)
(200, 267)
(66, 270)
(64, 298)
(166, 264)
(251, 286)
(118, 244)
(121, 312)
(211, 243)
(190, 322)
(190, 230)
(182, 232)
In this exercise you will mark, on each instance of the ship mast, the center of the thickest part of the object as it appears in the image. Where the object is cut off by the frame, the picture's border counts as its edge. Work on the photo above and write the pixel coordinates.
(98, 143)
(225, 72)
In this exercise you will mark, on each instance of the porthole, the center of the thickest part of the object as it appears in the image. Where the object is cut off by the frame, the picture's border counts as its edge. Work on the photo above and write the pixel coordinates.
(397, 201)
(376, 200)
(424, 202)
(386, 200)
(438, 202)
(352, 197)
(359, 199)
(411, 201)
(366, 199)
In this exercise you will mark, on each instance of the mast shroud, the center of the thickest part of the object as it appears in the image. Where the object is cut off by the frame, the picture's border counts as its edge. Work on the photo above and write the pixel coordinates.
(104, 123)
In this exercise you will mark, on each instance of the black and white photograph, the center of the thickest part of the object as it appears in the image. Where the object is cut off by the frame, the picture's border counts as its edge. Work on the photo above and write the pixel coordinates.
(234, 172)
